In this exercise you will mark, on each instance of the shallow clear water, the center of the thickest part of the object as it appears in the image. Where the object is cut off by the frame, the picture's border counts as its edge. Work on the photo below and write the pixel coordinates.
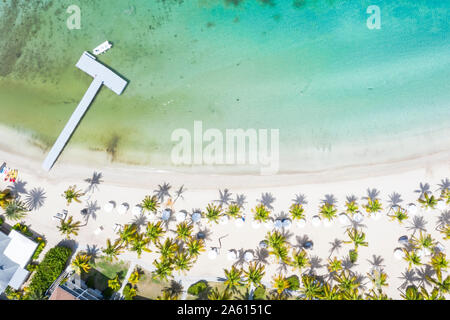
(334, 88)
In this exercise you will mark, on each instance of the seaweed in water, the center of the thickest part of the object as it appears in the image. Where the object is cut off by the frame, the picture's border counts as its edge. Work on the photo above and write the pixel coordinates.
(112, 145)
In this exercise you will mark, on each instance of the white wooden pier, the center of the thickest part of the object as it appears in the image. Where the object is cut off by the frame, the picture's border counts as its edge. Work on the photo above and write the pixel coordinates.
(102, 76)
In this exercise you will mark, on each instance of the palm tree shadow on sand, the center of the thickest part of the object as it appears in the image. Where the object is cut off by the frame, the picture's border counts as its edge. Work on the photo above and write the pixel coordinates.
(163, 191)
(35, 198)
(18, 188)
(94, 182)
(267, 199)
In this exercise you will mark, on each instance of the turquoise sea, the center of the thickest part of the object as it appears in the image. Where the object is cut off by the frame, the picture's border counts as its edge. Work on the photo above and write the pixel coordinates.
(340, 93)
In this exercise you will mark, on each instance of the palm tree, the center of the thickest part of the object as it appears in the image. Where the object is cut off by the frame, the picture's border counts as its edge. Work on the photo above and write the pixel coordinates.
(329, 292)
(411, 293)
(195, 247)
(233, 278)
(168, 295)
(15, 210)
(183, 262)
(399, 214)
(443, 285)
(163, 270)
(127, 234)
(373, 206)
(154, 231)
(213, 213)
(351, 206)
(357, 238)
(140, 244)
(150, 204)
(254, 274)
(261, 213)
(434, 295)
(81, 263)
(297, 211)
(234, 211)
(376, 295)
(275, 239)
(114, 284)
(445, 230)
(281, 254)
(300, 260)
(445, 195)
(134, 278)
(378, 279)
(311, 288)
(215, 294)
(334, 266)
(423, 241)
(72, 194)
(112, 250)
(5, 197)
(184, 231)
(428, 202)
(347, 282)
(168, 249)
(280, 283)
(439, 263)
(328, 211)
(412, 258)
(69, 228)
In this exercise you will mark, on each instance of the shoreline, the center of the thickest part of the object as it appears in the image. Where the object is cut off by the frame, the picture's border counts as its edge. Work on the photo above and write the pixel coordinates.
(74, 163)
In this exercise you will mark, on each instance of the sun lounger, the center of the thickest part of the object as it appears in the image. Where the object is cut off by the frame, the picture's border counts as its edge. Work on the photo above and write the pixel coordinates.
(60, 216)
(117, 227)
(3, 167)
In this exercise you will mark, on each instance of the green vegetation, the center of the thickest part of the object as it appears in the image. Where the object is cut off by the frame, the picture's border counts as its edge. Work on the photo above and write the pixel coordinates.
(50, 268)
(72, 194)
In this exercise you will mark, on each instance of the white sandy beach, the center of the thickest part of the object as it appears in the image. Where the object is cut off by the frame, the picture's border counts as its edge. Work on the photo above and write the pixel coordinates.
(131, 184)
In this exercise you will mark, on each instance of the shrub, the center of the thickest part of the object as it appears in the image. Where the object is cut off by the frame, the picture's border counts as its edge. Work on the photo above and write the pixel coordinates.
(259, 293)
(39, 249)
(23, 229)
(129, 292)
(294, 282)
(198, 287)
(50, 268)
(1, 220)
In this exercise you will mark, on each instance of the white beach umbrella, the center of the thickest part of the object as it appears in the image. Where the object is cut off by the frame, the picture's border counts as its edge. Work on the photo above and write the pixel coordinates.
(358, 217)
(196, 217)
(98, 230)
(301, 223)
(343, 219)
(316, 221)
(231, 255)
(123, 208)
(166, 214)
(440, 247)
(440, 205)
(412, 208)
(212, 254)
(256, 224)
(278, 224)
(108, 207)
(399, 254)
(136, 211)
(286, 223)
(375, 215)
(180, 216)
(248, 256)
(239, 222)
(327, 223)
(223, 220)
(268, 225)
(424, 252)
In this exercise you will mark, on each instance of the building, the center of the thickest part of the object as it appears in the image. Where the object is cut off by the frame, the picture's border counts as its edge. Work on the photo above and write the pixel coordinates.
(16, 251)
(75, 289)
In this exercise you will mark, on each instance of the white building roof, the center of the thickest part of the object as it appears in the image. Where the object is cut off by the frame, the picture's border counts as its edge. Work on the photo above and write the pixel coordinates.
(16, 251)
(20, 249)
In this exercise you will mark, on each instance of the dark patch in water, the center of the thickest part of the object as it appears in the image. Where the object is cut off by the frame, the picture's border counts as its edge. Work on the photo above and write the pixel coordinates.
(233, 2)
(112, 145)
(19, 23)
(270, 3)
(298, 3)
